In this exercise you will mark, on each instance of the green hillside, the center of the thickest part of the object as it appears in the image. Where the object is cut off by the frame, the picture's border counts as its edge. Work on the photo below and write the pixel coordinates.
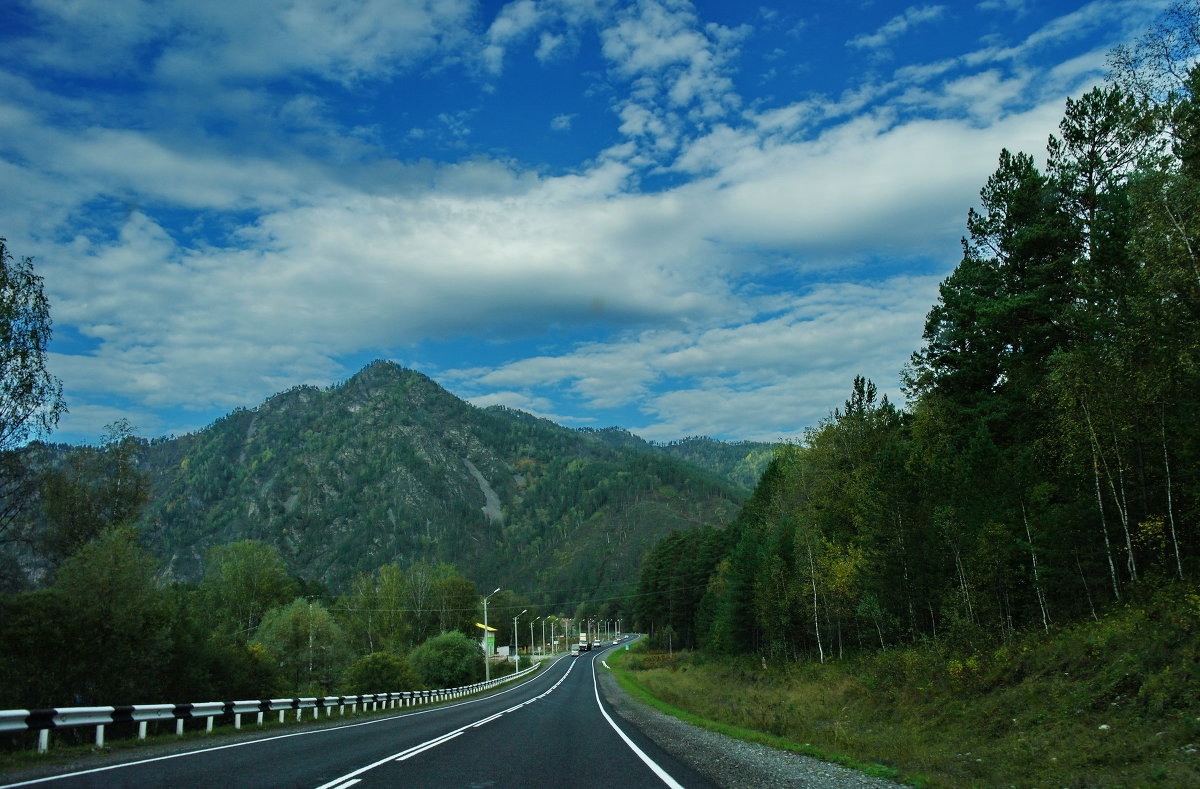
(390, 467)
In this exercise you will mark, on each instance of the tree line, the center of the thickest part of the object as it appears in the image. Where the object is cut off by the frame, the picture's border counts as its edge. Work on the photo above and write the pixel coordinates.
(1044, 464)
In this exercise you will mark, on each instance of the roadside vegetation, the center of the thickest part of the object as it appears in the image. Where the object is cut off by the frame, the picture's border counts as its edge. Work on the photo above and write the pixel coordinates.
(993, 584)
(1113, 703)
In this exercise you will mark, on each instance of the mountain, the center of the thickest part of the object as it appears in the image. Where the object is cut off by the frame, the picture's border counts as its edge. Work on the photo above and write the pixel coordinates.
(390, 467)
(741, 462)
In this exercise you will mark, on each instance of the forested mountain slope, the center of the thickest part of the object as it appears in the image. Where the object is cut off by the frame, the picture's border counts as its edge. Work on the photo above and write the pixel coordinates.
(390, 467)
(742, 462)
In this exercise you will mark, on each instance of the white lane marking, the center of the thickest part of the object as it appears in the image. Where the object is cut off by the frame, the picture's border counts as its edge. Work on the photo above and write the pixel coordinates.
(330, 785)
(660, 772)
(605, 662)
(436, 741)
(428, 744)
(432, 744)
(348, 784)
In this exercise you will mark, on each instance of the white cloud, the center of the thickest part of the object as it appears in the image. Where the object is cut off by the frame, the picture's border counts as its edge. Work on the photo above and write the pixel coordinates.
(1018, 7)
(678, 68)
(897, 26)
(549, 45)
(343, 41)
(513, 23)
(304, 242)
(757, 379)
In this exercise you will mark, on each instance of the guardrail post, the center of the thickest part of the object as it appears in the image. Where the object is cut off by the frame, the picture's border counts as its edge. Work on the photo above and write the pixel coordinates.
(141, 730)
(100, 735)
(208, 725)
(237, 719)
(179, 727)
(43, 740)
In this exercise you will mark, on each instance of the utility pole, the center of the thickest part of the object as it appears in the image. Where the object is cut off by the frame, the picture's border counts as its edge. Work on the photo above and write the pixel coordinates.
(487, 657)
(517, 641)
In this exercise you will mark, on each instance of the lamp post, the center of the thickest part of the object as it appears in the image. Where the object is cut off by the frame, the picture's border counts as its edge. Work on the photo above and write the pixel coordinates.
(531, 621)
(487, 658)
(544, 633)
(517, 640)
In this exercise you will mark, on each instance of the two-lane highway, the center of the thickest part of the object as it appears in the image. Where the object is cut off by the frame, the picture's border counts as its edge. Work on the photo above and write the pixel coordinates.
(552, 728)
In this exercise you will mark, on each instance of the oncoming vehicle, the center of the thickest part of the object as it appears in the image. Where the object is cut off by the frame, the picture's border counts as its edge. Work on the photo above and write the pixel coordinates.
(575, 652)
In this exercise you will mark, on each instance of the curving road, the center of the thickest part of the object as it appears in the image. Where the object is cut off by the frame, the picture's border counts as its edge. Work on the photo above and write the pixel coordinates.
(551, 729)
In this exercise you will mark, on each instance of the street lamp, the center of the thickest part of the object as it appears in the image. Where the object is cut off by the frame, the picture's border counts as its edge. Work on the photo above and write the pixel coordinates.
(517, 640)
(531, 621)
(544, 634)
(487, 658)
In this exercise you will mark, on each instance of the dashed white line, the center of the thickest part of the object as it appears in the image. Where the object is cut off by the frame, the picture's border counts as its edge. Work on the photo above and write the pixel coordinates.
(337, 783)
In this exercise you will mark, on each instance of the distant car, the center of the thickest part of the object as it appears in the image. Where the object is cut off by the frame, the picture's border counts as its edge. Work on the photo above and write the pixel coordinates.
(575, 652)
(617, 641)
(596, 643)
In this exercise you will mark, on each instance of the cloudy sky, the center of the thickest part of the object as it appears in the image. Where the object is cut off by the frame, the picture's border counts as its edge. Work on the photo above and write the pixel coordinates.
(678, 217)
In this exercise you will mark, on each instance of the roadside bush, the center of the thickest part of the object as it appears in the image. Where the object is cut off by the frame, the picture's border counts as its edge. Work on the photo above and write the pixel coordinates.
(447, 661)
(380, 672)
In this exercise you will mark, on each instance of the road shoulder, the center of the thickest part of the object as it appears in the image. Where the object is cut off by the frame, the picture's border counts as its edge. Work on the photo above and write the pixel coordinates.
(729, 762)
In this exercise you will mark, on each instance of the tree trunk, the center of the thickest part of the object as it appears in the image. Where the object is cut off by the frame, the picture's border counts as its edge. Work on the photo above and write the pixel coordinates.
(1096, 460)
(1037, 584)
(1162, 423)
(812, 569)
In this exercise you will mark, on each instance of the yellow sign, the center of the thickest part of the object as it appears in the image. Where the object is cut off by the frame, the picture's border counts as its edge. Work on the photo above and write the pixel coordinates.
(485, 627)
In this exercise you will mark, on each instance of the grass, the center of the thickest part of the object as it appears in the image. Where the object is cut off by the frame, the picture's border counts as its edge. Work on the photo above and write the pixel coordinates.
(1114, 703)
(630, 680)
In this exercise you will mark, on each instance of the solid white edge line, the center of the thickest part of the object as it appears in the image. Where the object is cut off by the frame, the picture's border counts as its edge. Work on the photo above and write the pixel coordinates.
(660, 772)
(329, 785)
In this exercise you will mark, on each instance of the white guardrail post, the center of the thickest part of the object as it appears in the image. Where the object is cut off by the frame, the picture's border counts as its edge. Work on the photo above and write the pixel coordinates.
(42, 721)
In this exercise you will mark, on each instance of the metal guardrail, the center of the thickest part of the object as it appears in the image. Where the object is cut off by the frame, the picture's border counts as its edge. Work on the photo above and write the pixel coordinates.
(45, 720)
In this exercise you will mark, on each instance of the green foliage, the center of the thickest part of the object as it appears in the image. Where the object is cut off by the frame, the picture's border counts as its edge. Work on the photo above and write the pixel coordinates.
(242, 581)
(30, 397)
(1107, 703)
(307, 645)
(380, 672)
(1043, 468)
(376, 613)
(448, 660)
(374, 471)
(94, 490)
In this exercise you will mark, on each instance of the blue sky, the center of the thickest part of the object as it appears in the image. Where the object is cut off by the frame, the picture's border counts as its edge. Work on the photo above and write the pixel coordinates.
(678, 217)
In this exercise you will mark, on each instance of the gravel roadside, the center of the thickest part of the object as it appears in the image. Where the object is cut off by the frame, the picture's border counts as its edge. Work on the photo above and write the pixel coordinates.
(728, 762)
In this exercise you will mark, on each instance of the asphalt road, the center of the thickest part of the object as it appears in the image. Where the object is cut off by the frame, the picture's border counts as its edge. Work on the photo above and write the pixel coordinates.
(553, 729)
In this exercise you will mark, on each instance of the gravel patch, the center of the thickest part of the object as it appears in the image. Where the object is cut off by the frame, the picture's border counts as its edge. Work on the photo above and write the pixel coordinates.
(728, 762)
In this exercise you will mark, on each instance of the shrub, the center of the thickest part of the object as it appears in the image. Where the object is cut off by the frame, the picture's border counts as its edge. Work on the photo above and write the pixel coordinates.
(380, 672)
(449, 660)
